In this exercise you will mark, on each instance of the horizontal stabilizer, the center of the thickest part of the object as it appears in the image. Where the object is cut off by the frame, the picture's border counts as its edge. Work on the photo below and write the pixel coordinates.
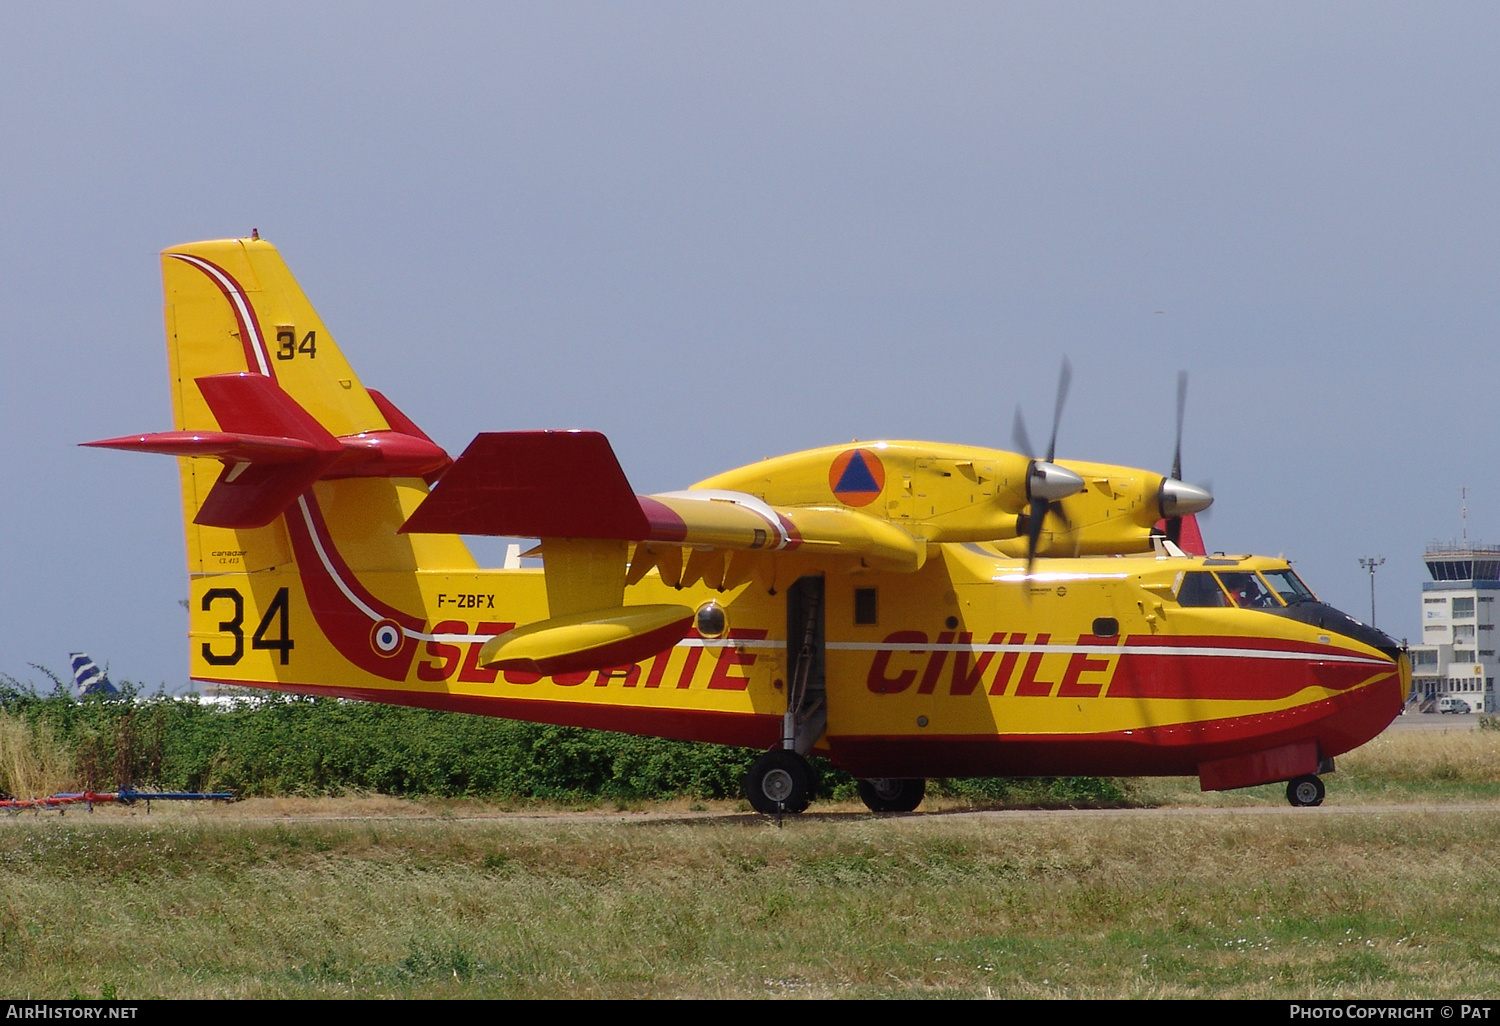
(273, 450)
(596, 640)
(534, 484)
(224, 445)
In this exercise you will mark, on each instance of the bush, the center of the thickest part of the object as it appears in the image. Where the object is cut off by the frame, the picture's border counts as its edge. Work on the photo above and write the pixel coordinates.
(273, 744)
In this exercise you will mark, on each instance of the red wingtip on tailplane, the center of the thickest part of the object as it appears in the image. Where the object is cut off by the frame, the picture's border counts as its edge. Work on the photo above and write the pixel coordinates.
(273, 450)
(534, 484)
(401, 424)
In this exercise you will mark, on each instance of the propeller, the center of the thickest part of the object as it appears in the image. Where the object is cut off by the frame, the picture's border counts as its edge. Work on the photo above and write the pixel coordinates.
(1047, 484)
(1177, 498)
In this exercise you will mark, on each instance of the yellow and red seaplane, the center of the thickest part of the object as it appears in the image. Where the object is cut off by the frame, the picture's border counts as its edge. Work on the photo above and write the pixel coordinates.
(907, 609)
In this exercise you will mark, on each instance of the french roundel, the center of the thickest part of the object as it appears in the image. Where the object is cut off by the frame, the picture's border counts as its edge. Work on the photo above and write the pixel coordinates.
(856, 477)
(386, 637)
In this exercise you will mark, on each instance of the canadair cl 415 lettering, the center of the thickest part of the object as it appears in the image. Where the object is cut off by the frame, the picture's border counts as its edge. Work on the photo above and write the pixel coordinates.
(907, 609)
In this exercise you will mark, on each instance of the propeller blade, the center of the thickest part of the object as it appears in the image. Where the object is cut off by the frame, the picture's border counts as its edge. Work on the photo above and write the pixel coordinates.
(1182, 379)
(1056, 509)
(1021, 438)
(1064, 379)
(1034, 518)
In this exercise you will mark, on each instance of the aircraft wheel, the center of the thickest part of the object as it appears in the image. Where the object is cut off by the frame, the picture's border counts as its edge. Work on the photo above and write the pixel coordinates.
(779, 781)
(887, 794)
(1305, 791)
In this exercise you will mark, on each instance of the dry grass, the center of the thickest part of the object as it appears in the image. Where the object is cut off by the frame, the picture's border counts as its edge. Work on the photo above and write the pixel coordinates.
(374, 897)
(1139, 903)
(32, 762)
(1425, 756)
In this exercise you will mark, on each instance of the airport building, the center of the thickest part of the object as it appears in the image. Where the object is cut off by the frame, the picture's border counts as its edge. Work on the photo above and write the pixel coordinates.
(1453, 669)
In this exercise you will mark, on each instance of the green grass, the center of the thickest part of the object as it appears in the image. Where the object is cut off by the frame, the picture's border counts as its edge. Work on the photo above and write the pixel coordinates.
(1138, 904)
(1173, 894)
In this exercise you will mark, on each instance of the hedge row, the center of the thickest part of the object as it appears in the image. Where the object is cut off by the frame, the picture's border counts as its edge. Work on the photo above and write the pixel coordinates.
(276, 744)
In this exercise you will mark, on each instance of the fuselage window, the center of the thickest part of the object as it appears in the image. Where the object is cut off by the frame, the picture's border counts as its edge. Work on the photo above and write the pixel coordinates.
(1200, 589)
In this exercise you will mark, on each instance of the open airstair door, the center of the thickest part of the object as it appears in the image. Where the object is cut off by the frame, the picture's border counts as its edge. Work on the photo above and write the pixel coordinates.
(807, 695)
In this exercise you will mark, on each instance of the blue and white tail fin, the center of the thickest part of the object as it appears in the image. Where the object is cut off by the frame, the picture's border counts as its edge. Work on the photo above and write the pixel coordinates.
(88, 679)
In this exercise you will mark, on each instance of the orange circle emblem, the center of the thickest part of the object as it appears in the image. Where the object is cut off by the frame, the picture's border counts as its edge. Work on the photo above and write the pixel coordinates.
(856, 477)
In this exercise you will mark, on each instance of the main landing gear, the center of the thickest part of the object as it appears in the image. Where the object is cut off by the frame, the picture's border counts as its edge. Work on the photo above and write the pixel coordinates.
(886, 794)
(1305, 791)
(780, 781)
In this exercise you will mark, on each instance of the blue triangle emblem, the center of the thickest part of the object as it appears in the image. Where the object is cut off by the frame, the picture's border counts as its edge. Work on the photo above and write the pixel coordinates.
(856, 476)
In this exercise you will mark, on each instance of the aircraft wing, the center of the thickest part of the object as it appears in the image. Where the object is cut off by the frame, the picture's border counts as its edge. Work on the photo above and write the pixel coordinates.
(569, 485)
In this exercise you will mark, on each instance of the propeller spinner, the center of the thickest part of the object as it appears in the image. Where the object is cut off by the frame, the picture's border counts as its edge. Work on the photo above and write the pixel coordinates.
(1047, 484)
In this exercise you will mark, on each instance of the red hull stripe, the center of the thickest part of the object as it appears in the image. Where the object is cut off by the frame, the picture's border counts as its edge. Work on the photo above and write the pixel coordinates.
(1318, 649)
(744, 730)
(256, 355)
(1207, 646)
(1337, 724)
(1247, 678)
(345, 610)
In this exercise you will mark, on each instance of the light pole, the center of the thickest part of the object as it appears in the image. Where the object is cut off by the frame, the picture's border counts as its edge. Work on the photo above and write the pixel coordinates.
(1370, 563)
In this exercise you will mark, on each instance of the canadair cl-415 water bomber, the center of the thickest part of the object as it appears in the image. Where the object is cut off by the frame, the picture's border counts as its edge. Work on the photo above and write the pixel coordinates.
(907, 609)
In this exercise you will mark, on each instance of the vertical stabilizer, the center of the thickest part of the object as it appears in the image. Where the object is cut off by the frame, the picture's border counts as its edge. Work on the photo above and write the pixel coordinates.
(252, 361)
(295, 478)
(88, 679)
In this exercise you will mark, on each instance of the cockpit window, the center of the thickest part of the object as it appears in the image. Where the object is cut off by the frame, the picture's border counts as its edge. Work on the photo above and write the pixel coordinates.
(1289, 587)
(1200, 589)
(1249, 591)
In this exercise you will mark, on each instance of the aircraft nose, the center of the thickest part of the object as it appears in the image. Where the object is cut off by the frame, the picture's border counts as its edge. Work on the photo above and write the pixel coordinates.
(1180, 499)
(1325, 617)
(1403, 664)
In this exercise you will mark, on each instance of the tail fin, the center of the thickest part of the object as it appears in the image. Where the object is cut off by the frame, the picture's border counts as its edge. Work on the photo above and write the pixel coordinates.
(88, 679)
(259, 385)
(294, 480)
(1191, 539)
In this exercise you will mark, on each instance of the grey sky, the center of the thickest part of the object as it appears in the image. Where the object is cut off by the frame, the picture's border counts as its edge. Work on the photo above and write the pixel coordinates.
(719, 232)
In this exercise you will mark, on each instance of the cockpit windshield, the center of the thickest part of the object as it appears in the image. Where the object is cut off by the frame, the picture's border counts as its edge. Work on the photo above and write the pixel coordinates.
(1289, 586)
(1249, 591)
(1242, 588)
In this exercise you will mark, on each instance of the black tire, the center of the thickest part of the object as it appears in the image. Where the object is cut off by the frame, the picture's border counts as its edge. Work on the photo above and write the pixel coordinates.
(1305, 792)
(779, 781)
(889, 794)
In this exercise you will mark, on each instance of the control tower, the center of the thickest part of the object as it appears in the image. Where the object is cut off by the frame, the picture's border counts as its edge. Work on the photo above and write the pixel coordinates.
(1453, 669)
